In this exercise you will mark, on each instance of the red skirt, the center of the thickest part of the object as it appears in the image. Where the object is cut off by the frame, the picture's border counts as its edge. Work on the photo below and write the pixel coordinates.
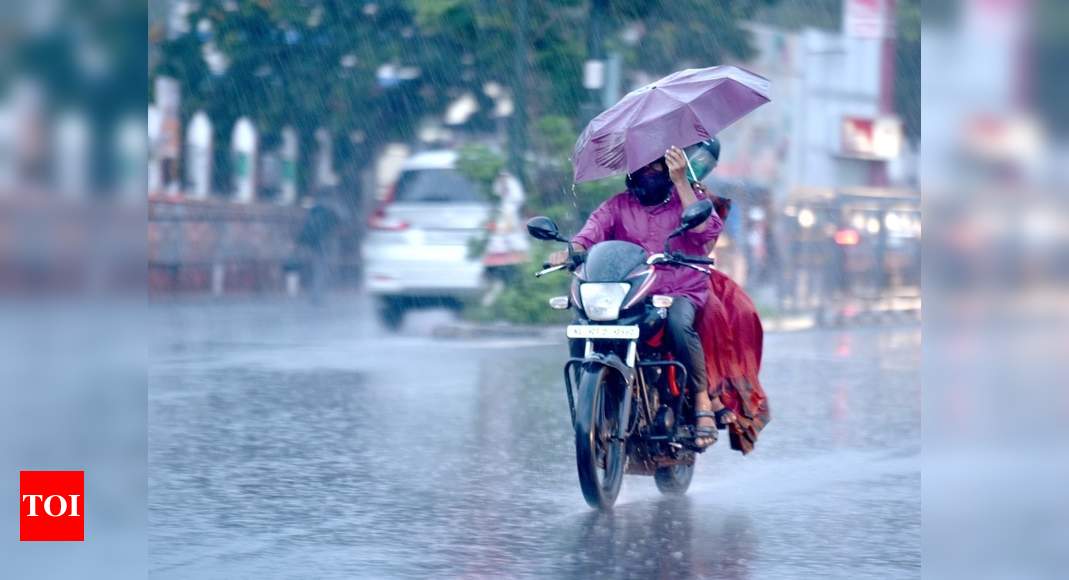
(732, 337)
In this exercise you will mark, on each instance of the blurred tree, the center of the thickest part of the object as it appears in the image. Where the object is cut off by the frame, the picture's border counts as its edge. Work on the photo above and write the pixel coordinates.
(908, 67)
(477, 34)
(308, 63)
(481, 165)
(823, 14)
(684, 33)
(320, 62)
(524, 298)
(84, 62)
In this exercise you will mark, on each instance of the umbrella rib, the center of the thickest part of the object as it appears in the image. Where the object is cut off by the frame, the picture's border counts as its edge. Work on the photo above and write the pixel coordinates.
(699, 116)
(629, 127)
(622, 110)
(684, 107)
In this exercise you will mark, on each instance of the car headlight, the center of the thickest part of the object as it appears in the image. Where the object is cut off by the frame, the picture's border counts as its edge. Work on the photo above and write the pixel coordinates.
(602, 301)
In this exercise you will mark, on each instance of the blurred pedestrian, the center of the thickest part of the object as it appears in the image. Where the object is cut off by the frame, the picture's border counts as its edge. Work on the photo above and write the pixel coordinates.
(315, 243)
(507, 244)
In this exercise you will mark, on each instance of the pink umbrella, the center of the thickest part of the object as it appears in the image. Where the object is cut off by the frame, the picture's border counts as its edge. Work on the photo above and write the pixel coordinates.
(681, 109)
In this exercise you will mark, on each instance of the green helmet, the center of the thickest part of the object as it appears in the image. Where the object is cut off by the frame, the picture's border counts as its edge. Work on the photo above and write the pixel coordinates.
(703, 157)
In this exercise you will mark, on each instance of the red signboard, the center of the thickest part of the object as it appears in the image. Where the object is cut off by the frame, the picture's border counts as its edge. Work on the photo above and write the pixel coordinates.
(868, 18)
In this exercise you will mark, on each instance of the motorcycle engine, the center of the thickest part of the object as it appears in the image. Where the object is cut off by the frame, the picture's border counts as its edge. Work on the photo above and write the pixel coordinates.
(665, 420)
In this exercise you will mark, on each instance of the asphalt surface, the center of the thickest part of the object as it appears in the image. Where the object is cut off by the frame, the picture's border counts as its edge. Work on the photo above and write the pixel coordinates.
(289, 441)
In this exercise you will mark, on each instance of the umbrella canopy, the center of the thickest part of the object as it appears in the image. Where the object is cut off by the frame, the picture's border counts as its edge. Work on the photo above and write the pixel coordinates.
(681, 109)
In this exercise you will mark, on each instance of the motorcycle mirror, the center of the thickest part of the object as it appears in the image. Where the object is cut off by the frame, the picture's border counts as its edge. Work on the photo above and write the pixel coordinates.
(543, 228)
(692, 217)
(696, 214)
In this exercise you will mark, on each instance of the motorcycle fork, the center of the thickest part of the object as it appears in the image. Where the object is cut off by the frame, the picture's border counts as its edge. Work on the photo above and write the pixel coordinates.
(572, 365)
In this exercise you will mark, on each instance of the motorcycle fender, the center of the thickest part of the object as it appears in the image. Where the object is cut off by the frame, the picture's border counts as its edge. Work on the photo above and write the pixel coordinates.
(612, 361)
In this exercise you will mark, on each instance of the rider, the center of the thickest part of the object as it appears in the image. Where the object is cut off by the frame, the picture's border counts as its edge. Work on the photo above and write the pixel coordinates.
(646, 214)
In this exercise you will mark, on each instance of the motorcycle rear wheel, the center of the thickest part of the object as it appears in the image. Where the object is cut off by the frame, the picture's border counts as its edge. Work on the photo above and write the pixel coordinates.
(599, 456)
(674, 479)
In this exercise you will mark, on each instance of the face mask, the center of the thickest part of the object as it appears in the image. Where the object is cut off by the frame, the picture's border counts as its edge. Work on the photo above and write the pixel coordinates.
(650, 188)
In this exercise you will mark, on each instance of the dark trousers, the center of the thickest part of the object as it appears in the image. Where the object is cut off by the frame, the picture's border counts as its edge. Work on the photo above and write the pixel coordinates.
(683, 342)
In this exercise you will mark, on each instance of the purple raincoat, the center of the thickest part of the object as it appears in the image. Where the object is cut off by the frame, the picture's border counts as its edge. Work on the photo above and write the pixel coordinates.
(622, 217)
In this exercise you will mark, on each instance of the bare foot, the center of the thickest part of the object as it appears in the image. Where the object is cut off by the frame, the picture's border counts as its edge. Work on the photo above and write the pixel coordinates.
(725, 416)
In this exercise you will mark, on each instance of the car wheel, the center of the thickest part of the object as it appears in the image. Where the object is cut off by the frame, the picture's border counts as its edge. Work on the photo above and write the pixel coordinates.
(391, 314)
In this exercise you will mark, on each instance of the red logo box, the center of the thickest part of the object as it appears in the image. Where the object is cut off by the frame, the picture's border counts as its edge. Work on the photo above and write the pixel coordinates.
(52, 506)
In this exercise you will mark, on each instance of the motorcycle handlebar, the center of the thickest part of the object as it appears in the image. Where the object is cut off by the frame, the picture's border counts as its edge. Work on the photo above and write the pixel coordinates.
(572, 262)
(680, 259)
(697, 260)
(550, 269)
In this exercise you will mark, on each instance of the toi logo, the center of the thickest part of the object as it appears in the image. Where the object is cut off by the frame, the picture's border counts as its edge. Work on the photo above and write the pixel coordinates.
(52, 506)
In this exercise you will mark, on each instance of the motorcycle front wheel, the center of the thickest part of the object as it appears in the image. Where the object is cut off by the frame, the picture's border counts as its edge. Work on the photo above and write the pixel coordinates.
(599, 454)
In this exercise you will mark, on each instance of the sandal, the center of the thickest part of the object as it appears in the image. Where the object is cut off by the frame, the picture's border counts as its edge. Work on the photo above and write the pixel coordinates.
(707, 433)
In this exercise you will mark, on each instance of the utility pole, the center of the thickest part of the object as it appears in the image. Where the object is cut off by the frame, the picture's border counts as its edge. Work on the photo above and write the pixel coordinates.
(887, 109)
(594, 67)
(518, 126)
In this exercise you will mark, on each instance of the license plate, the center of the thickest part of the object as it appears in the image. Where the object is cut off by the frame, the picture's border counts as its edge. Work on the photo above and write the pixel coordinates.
(603, 332)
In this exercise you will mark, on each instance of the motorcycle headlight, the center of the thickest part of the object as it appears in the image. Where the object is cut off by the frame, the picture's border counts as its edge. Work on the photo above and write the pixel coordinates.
(602, 301)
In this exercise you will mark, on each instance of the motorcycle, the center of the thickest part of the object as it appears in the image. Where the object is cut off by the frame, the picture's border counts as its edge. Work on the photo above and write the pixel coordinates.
(628, 398)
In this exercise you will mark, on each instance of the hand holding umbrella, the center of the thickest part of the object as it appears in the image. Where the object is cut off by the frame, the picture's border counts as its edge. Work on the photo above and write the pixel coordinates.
(677, 166)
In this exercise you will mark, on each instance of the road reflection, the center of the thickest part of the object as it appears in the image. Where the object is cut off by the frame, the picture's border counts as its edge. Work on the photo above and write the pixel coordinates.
(673, 537)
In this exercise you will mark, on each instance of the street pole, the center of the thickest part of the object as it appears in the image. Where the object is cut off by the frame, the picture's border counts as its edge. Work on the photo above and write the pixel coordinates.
(518, 126)
(594, 68)
(887, 108)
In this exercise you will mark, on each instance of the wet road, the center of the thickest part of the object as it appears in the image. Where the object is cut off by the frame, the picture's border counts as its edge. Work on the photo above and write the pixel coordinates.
(291, 442)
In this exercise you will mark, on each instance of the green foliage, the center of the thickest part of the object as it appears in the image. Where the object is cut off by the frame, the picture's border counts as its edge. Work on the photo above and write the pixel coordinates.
(524, 299)
(555, 195)
(303, 63)
(907, 97)
(574, 206)
(686, 33)
(822, 14)
(556, 134)
(480, 164)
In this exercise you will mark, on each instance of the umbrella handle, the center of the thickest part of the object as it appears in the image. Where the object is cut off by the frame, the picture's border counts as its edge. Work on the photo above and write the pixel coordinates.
(693, 176)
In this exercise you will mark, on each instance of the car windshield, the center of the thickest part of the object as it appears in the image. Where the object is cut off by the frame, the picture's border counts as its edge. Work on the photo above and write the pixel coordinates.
(435, 186)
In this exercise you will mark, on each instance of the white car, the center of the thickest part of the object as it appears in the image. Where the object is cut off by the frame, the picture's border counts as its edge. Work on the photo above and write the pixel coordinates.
(418, 251)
